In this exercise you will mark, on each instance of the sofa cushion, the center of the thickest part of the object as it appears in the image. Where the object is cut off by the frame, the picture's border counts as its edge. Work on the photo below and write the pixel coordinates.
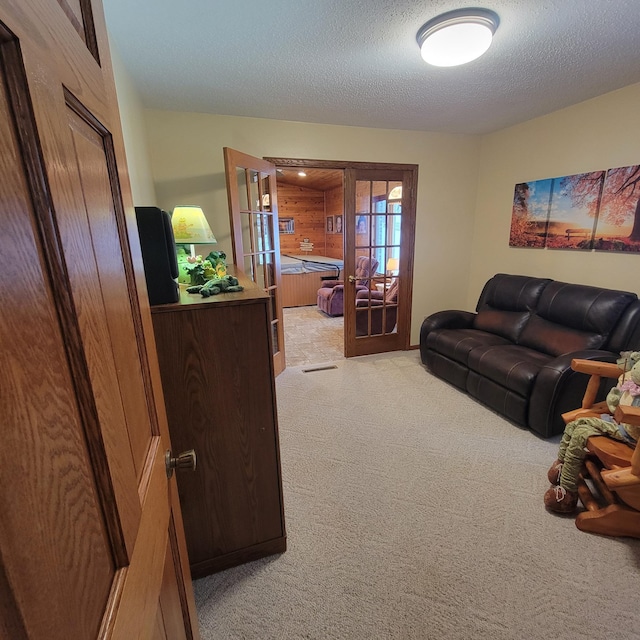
(457, 343)
(554, 339)
(506, 303)
(573, 317)
(511, 366)
(508, 324)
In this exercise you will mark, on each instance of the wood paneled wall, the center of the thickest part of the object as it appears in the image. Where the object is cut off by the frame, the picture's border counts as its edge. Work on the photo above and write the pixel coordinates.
(306, 207)
(334, 206)
(309, 209)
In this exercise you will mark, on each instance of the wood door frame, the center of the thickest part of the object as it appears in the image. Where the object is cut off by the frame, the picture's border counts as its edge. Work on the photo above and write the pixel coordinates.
(407, 244)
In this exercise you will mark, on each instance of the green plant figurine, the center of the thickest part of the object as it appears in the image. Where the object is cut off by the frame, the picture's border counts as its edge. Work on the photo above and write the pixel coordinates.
(213, 287)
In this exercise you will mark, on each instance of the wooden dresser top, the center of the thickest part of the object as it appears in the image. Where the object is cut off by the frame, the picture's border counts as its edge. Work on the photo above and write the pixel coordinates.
(189, 301)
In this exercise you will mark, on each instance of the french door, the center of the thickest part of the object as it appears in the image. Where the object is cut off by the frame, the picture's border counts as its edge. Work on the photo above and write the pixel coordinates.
(253, 212)
(380, 225)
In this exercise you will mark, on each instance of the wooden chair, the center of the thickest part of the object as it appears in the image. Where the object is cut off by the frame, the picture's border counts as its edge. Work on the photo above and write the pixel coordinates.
(613, 467)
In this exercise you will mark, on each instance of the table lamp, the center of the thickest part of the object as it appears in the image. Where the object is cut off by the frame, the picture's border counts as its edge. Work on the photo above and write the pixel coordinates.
(191, 227)
(392, 266)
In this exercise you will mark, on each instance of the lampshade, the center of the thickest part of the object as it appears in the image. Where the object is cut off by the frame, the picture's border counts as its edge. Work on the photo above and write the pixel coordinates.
(392, 265)
(190, 226)
(457, 37)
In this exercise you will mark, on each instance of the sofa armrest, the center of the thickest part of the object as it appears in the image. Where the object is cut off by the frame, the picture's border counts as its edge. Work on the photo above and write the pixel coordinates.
(558, 389)
(329, 284)
(452, 319)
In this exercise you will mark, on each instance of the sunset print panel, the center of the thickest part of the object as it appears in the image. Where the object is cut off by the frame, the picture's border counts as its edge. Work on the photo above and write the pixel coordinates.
(574, 206)
(618, 227)
(530, 213)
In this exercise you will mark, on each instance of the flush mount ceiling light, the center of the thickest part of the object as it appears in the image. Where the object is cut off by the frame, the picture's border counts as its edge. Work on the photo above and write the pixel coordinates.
(457, 37)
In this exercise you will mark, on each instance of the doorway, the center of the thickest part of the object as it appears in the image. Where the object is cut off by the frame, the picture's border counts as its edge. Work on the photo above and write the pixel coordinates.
(377, 309)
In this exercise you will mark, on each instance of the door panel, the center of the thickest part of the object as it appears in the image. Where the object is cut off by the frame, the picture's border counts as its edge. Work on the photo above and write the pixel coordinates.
(253, 213)
(379, 225)
(92, 531)
(91, 149)
(52, 503)
(80, 16)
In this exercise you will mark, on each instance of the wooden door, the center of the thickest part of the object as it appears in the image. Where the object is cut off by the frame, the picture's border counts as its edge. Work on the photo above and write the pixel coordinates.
(91, 535)
(379, 223)
(253, 213)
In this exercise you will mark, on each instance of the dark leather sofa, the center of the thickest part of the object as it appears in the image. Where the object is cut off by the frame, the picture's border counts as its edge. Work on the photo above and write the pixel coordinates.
(514, 354)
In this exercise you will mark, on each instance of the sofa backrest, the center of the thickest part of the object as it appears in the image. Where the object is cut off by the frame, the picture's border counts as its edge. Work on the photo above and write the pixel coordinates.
(506, 303)
(573, 317)
(626, 335)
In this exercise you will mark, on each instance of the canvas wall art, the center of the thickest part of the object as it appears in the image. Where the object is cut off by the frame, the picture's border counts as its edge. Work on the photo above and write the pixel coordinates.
(618, 226)
(596, 210)
(573, 210)
(530, 214)
(286, 225)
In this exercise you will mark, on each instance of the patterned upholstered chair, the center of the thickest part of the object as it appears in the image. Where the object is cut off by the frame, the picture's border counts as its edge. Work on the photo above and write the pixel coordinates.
(331, 293)
(381, 306)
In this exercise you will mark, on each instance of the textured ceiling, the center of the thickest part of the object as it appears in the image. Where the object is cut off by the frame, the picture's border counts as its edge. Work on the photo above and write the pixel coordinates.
(356, 62)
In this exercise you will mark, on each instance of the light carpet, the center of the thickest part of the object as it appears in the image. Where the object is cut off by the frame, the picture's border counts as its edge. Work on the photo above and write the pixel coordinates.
(414, 512)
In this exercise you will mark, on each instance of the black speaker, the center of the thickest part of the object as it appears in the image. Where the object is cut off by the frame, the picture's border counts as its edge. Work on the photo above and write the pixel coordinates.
(158, 254)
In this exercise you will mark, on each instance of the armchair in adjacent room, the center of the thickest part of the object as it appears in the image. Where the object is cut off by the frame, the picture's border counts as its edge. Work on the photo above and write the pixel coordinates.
(331, 293)
(381, 306)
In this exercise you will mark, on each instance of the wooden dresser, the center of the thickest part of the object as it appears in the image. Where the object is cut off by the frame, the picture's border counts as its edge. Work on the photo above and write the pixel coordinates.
(219, 390)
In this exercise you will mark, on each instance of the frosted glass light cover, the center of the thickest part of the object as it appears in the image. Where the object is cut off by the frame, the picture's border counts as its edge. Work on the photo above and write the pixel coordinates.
(456, 44)
(457, 36)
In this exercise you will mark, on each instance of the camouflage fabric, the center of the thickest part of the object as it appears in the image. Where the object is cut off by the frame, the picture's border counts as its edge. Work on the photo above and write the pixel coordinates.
(572, 446)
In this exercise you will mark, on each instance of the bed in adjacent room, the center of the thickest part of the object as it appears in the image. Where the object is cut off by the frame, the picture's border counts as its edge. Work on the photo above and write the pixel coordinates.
(302, 276)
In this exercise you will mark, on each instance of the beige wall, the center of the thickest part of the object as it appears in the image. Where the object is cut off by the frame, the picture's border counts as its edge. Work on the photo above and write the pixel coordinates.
(465, 184)
(188, 168)
(597, 134)
(132, 117)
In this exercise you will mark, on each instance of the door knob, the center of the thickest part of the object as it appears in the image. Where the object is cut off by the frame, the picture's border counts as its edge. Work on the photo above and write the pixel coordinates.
(352, 279)
(185, 460)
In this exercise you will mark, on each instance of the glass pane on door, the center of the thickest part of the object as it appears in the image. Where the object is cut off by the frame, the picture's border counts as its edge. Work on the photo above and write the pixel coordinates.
(378, 238)
(241, 181)
(254, 196)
